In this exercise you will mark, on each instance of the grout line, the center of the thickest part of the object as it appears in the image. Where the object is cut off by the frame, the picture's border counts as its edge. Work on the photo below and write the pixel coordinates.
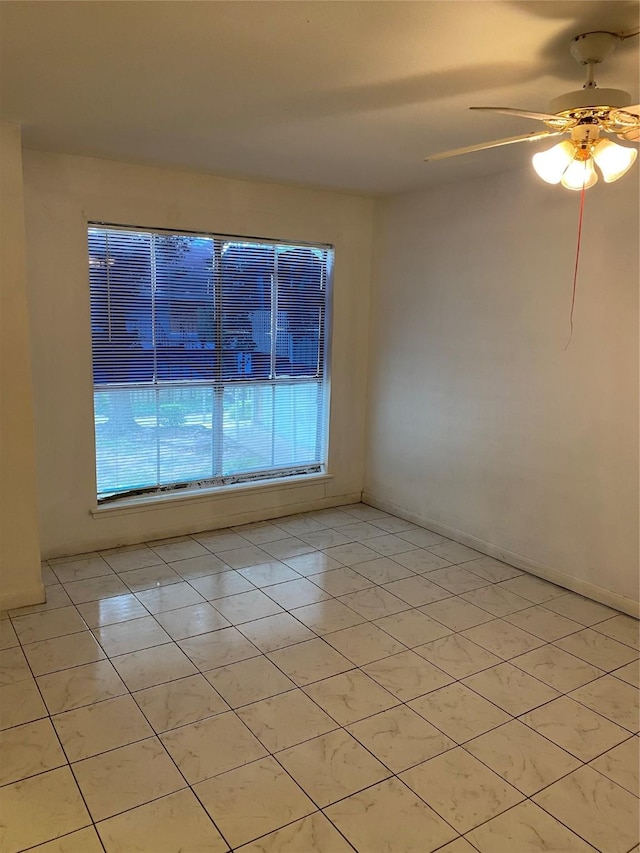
(369, 621)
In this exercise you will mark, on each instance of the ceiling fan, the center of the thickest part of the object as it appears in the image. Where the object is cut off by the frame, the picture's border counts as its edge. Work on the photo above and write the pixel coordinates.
(587, 114)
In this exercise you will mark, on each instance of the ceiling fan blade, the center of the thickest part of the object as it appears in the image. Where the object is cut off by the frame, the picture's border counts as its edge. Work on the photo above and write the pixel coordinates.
(631, 135)
(627, 120)
(626, 116)
(510, 140)
(510, 111)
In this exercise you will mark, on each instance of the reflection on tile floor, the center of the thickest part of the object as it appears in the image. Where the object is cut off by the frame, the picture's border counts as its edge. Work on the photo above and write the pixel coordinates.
(339, 680)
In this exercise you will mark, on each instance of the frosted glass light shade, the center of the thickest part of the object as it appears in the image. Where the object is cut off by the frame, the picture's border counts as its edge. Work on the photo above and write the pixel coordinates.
(613, 160)
(580, 175)
(552, 164)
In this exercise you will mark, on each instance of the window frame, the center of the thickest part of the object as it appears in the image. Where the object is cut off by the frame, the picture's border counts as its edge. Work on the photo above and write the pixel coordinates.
(219, 482)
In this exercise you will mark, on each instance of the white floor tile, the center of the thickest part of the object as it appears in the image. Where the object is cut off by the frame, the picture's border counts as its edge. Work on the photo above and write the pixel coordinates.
(81, 685)
(613, 699)
(169, 597)
(350, 696)
(457, 614)
(534, 589)
(417, 591)
(502, 638)
(249, 681)
(97, 728)
(20, 702)
(412, 628)
(150, 577)
(314, 834)
(131, 636)
(621, 764)
(94, 589)
(59, 653)
(8, 636)
(510, 688)
(198, 567)
(557, 668)
(543, 623)
(459, 712)
(287, 719)
(624, 629)
(393, 650)
(341, 581)
(312, 563)
(218, 648)
(332, 766)
(575, 728)
(327, 616)
(124, 778)
(178, 550)
(211, 746)
(524, 758)
(400, 738)
(310, 661)
(268, 573)
(110, 611)
(41, 808)
(50, 624)
(461, 789)
(276, 632)
(178, 703)
(296, 593)
(83, 568)
(420, 561)
(247, 606)
(598, 649)
(457, 656)
(192, 621)
(580, 609)
(407, 675)
(14, 666)
(28, 750)
(81, 841)
(253, 800)
(527, 829)
(375, 602)
(149, 667)
(365, 643)
(594, 807)
(174, 822)
(389, 816)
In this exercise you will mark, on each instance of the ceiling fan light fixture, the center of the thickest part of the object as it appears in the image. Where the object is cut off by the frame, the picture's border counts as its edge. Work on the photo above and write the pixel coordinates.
(580, 175)
(613, 160)
(553, 163)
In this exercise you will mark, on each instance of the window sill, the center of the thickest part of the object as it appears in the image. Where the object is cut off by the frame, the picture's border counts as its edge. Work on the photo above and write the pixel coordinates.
(128, 506)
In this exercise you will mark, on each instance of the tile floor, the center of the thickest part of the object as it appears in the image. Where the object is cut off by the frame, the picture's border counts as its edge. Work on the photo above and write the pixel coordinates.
(341, 680)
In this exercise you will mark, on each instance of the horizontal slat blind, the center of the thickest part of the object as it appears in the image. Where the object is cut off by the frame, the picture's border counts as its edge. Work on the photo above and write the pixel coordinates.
(209, 358)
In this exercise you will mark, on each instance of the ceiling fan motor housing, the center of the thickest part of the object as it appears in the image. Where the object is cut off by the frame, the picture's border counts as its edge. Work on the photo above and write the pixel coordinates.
(592, 48)
(585, 98)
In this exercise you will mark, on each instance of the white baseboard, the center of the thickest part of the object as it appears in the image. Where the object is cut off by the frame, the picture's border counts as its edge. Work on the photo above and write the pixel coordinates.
(589, 590)
(35, 594)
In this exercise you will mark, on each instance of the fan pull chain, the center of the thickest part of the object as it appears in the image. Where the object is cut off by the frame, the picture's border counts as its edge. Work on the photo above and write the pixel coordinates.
(575, 271)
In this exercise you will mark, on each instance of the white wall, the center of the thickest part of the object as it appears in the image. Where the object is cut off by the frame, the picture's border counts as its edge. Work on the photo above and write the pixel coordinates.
(62, 193)
(480, 423)
(20, 575)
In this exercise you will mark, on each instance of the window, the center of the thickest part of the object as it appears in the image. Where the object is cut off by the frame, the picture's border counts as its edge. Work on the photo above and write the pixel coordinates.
(209, 359)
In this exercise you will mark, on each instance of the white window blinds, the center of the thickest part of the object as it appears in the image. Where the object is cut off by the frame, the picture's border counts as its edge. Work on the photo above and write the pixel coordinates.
(209, 359)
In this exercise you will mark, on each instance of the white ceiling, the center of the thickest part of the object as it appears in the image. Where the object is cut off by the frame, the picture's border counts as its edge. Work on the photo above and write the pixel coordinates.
(351, 95)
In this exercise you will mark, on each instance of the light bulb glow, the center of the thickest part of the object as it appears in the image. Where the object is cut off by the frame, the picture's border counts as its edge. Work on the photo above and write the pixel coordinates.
(552, 163)
(580, 175)
(613, 160)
